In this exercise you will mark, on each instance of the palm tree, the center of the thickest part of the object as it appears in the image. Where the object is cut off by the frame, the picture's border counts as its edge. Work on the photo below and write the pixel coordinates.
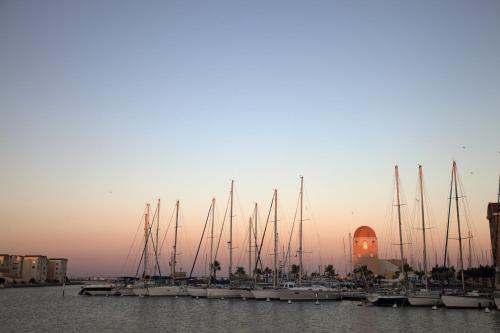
(215, 267)
(240, 272)
(329, 271)
(267, 272)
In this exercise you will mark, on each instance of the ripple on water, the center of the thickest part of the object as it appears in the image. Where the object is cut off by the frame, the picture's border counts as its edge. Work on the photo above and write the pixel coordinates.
(45, 310)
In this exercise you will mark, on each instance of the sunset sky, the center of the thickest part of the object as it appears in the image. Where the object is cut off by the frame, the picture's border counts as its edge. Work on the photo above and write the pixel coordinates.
(108, 105)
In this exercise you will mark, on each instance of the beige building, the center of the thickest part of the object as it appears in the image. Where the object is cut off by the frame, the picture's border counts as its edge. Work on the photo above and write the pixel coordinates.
(16, 266)
(4, 264)
(35, 267)
(57, 269)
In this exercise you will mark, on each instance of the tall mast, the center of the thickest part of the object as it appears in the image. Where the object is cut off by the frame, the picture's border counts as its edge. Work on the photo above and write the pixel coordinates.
(458, 222)
(445, 258)
(300, 229)
(420, 174)
(350, 253)
(174, 257)
(157, 236)
(400, 224)
(256, 254)
(470, 249)
(275, 275)
(231, 232)
(211, 266)
(146, 237)
(249, 246)
(345, 256)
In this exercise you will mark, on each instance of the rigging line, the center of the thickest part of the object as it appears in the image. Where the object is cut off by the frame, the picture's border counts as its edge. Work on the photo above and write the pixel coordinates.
(448, 223)
(150, 236)
(264, 233)
(313, 218)
(155, 248)
(168, 227)
(201, 239)
(291, 233)
(132, 245)
(221, 229)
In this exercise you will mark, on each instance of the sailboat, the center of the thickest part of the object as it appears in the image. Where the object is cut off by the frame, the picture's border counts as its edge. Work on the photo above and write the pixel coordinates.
(424, 297)
(303, 292)
(274, 292)
(173, 289)
(227, 292)
(393, 296)
(201, 291)
(462, 299)
(141, 288)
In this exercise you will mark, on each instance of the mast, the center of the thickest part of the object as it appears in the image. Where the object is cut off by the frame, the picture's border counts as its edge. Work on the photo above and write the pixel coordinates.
(420, 174)
(449, 217)
(211, 266)
(345, 256)
(400, 224)
(249, 245)
(157, 236)
(458, 222)
(470, 252)
(275, 275)
(300, 229)
(146, 237)
(174, 258)
(350, 253)
(256, 254)
(231, 233)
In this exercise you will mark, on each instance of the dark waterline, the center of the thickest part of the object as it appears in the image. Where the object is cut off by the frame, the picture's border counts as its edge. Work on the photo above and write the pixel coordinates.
(45, 310)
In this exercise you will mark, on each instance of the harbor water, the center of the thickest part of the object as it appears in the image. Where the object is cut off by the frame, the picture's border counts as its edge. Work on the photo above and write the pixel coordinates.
(44, 309)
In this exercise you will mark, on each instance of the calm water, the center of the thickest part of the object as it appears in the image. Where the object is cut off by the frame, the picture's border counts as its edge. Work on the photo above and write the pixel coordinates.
(45, 310)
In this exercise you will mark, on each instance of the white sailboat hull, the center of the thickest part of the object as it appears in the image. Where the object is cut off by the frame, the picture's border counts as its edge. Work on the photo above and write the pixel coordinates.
(168, 291)
(305, 295)
(387, 300)
(425, 300)
(471, 302)
(246, 293)
(266, 293)
(197, 292)
(223, 293)
(140, 291)
(126, 291)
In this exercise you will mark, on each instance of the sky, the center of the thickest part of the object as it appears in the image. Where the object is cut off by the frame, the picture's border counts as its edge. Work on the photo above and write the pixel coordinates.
(108, 105)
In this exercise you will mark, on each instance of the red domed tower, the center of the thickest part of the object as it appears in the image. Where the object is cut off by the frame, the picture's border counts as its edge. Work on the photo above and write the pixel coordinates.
(364, 244)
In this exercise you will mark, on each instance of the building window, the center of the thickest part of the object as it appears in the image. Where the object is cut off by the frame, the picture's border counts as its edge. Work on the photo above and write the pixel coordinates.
(365, 245)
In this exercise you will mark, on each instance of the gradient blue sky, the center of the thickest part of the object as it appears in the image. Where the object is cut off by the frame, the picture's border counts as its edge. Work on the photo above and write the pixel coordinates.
(172, 99)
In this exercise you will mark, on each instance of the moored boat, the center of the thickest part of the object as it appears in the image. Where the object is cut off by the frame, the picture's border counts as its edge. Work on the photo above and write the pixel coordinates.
(223, 293)
(197, 292)
(99, 290)
(387, 298)
(313, 292)
(266, 293)
(425, 298)
(470, 300)
(171, 291)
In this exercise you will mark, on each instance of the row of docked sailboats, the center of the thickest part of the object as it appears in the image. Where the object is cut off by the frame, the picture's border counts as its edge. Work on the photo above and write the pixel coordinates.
(401, 295)
(284, 290)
